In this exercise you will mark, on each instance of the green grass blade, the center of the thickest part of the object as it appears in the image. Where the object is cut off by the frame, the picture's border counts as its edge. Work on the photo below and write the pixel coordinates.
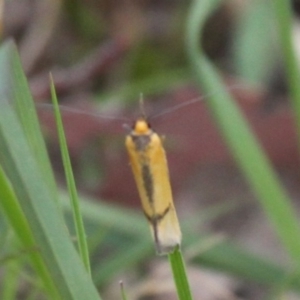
(15, 88)
(10, 282)
(80, 232)
(123, 292)
(14, 214)
(283, 12)
(36, 201)
(253, 43)
(179, 275)
(239, 138)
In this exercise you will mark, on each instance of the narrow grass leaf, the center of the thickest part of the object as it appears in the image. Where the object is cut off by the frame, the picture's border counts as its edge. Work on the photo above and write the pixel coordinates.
(9, 286)
(13, 212)
(253, 43)
(36, 201)
(180, 275)
(14, 87)
(123, 293)
(80, 232)
(284, 15)
(239, 138)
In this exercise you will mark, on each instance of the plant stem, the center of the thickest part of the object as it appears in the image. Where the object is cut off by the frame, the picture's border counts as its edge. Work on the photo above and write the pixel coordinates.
(179, 275)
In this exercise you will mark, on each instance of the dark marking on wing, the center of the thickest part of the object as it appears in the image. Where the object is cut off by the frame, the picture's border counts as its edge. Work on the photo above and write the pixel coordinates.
(154, 220)
(148, 181)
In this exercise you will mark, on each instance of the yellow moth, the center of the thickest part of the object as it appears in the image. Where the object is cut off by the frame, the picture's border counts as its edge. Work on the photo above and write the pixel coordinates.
(149, 165)
(150, 169)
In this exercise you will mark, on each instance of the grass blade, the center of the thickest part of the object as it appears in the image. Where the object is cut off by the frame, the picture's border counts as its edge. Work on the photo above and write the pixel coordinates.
(36, 201)
(254, 34)
(283, 11)
(13, 212)
(15, 88)
(123, 292)
(179, 275)
(80, 232)
(239, 138)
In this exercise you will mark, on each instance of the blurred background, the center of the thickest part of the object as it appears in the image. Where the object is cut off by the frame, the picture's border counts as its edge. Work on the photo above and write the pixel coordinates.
(103, 54)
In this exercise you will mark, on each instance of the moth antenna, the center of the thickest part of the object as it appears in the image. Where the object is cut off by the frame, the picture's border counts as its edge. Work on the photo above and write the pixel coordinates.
(142, 106)
(81, 112)
(195, 100)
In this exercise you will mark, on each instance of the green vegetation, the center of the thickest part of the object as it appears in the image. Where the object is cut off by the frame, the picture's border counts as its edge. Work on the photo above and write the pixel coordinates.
(39, 220)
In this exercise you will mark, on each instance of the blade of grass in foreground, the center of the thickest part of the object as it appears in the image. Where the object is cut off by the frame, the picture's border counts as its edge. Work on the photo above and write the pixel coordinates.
(13, 212)
(179, 275)
(239, 138)
(36, 201)
(15, 88)
(80, 232)
(284, 14)
(9, 284)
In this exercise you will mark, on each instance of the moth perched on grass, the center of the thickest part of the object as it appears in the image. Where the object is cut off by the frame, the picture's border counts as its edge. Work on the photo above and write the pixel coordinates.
(150, 169)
